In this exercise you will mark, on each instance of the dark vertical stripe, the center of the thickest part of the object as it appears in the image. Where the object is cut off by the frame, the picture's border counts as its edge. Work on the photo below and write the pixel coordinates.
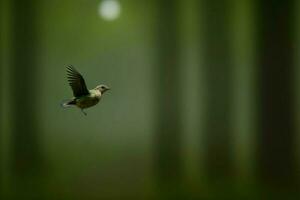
(1, 92)
(276, 128)
(218, 73)
(24, 85)
(167, 138)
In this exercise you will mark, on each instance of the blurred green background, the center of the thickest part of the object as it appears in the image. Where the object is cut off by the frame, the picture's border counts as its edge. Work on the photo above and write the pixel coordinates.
(204, 101)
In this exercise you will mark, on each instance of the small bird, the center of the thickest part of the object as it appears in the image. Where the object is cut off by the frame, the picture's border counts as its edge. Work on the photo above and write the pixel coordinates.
(83, 98)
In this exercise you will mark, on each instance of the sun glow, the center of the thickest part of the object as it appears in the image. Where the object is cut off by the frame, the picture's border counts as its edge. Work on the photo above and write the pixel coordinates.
(109, 9)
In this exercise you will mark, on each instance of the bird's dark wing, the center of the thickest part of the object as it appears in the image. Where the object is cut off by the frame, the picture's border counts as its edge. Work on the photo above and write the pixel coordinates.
(76, 82)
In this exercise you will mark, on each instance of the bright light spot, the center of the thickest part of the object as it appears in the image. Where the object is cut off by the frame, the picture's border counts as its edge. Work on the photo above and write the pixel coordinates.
(109, 9)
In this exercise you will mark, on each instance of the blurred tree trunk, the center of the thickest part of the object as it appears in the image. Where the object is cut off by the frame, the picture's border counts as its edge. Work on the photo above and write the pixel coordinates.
(276, 125)
(2, 24)
(2, 16)
(168, 133)
(1, 92)
(218, 94)
(1, 48)
(26, 158)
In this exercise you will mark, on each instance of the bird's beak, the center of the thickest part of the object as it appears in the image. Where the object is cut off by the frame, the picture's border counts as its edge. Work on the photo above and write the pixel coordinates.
(107, 88)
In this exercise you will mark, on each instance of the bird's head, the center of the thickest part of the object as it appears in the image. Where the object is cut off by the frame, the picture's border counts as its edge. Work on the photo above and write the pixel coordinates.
(102, 88)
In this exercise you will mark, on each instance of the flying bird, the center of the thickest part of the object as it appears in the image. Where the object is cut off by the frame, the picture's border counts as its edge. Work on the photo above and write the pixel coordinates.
(83, 98)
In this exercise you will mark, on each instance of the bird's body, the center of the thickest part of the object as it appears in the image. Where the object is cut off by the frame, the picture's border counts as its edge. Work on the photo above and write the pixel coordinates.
(83, 98)
(89, 100)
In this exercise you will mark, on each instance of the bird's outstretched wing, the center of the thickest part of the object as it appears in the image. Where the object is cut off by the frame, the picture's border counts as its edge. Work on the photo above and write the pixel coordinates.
(76, 82)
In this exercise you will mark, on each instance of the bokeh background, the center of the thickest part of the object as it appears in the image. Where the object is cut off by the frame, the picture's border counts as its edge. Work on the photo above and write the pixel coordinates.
(205, 100)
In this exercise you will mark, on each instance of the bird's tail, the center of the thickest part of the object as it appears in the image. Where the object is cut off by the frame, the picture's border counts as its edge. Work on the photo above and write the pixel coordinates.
(68, 103)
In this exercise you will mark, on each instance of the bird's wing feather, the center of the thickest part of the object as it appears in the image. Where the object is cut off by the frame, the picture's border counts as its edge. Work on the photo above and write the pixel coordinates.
(76, 82)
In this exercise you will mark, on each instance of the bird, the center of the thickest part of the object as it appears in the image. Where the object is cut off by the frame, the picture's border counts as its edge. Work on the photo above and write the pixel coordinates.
(82, 97)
